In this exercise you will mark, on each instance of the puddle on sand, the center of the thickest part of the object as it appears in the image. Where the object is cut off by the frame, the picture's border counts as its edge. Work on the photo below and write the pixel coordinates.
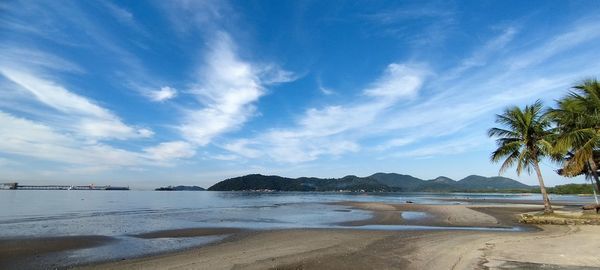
(411, 215)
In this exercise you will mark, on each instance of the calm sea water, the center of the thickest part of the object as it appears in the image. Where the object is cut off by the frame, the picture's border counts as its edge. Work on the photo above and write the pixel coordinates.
(120, 214)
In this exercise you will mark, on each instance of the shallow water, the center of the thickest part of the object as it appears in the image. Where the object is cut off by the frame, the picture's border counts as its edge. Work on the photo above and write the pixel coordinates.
(410, 215)
(120, 214)
(27, 213)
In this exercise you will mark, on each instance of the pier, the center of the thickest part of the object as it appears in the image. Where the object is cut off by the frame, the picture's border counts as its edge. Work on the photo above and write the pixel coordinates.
(16, 186)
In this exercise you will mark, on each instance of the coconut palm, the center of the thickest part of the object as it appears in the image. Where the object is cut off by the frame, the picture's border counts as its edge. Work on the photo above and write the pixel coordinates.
(523, 142)
(578, 130)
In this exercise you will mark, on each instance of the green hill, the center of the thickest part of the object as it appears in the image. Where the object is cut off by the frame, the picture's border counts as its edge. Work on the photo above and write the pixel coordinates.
(379, 182)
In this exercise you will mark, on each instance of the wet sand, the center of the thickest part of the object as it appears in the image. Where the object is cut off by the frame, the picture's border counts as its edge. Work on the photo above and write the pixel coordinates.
(441, 215)
(548, 247)
(510, 201)
(191, 232)
(14, 251)
(551, 247)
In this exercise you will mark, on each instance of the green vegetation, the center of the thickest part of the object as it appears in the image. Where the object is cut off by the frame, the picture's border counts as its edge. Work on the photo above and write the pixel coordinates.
(571, 189)
(379, 182)
(524, 142)
(568, 134)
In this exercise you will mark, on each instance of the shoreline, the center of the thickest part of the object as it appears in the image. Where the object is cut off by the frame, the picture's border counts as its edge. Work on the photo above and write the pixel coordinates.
(356, 248)
(387, 249)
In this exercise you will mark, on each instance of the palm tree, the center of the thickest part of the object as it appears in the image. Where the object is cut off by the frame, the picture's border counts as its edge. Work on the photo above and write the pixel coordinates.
(578, 126)
(523, 142)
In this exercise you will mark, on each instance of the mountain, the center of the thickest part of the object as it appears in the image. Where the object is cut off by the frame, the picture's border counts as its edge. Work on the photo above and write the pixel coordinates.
(440, 184)
(402, 181)
(443, 180)
(180, 188)
(476, 182)
(261, 182)
(278, 183)
(379, 182)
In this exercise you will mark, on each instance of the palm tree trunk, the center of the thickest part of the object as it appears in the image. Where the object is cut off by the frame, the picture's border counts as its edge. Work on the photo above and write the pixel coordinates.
(547, 206)
(594, 172)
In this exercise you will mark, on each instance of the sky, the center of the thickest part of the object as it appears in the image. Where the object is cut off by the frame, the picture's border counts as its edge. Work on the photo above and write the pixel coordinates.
(151, 93)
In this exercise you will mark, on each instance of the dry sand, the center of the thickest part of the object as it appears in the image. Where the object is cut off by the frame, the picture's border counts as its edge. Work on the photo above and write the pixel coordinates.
(552, 247)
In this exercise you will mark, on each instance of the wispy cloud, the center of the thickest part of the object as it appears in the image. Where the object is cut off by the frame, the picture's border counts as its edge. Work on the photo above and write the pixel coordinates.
(71, 24)
(448, 113)
(126, 17)
(27, 138)
(480, 56)
(324, 131)
(273, 74)
(324, 90)
(16, 55)
(23, 137)
(580, 33)
(227, 89)
(168, 151)
(188, 17)
(163, 94)
(442, 148)
(435, 21)
(85, 116)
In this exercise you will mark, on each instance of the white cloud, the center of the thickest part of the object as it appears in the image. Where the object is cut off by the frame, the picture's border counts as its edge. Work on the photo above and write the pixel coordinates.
(223, 157)
(397, 142)
(326, 91)
(165, 93)
(454, 108)
(20, 136)
(227, 88)
(398, 81)
(170, 151)
(242, 147)
(34, 59)
(272, 74)
(27, 138)
(333, 130)
(85, 117)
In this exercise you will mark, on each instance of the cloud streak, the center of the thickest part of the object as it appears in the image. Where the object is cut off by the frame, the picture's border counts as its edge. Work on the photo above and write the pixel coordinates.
(334, 130)
(227, 89)
(407, 124)
(87, 118)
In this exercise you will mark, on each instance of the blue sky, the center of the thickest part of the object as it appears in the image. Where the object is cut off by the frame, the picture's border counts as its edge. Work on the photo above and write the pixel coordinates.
(148, 93)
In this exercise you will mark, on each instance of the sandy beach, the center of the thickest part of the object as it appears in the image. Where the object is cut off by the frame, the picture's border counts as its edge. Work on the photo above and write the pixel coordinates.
(540, 247)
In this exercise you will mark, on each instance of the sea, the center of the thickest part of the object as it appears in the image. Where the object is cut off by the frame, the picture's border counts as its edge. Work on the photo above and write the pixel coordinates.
(123, 214)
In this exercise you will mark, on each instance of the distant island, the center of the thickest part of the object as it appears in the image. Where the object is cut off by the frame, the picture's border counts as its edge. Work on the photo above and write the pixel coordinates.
(379, 182)
(180, 188)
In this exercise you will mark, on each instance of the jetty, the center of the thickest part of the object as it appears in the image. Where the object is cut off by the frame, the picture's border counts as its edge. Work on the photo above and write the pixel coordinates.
(16, 186)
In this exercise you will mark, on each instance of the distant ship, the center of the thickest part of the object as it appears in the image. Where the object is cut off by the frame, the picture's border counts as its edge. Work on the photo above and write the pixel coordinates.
(116, 188)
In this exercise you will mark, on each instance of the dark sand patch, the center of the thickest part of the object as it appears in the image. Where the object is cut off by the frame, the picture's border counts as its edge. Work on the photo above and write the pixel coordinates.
(190, 232)
(16, 253)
